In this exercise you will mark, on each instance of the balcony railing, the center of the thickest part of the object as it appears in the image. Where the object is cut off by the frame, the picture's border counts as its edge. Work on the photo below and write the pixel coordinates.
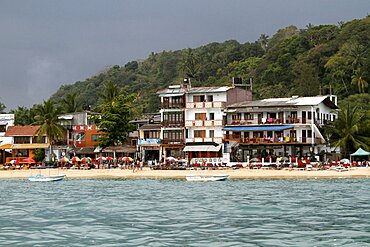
(168, 105)
(203, 123)
(205, 139)
(272, 141)
(212, 104)
(172, 141)
(271, 121)
(172, 123)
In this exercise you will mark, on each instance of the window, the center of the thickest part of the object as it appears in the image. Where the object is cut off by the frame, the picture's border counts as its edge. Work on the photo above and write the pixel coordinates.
(199, 133)
(80, 136)
(200, 116)
(248, 116)
(211, 133)
(199, 98)
(172, 135)
(309, 115)
(237, 116)
(211, 116)
(2, 128)
(151, 134)
(210, 98)
(21, 139)
(39, 140)
(309, 134)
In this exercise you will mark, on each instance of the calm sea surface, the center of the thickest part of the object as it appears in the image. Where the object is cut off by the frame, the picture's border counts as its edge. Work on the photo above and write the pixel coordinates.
(173, 212)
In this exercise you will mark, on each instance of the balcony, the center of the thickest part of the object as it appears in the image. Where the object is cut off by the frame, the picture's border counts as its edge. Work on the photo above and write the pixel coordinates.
(205, 139)
(203, 123)
(271, 121)
(272, 141)
(175, 105)
(198, 105)
(167, 123)
(172, 141)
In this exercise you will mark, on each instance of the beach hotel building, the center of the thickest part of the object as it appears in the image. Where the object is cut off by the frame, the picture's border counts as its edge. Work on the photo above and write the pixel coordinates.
(278, 126)
(23, 143)
(192, 119)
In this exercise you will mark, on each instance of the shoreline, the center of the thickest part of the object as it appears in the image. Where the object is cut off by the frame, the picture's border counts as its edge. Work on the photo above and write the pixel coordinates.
(360, 172)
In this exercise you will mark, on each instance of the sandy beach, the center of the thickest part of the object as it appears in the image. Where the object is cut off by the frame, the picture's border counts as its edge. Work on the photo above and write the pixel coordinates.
(147, 173)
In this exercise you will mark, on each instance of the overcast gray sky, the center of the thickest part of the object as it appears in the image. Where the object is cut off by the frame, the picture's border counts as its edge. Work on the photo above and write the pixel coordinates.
(46, 43)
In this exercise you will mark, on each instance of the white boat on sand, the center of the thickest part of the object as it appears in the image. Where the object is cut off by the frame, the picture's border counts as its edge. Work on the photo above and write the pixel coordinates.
(207, 177)
(43, 178)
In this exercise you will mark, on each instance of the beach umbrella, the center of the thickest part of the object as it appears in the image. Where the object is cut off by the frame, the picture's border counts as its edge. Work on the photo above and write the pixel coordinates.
(76, 159)
(64, 159)
(126, 159)
(13, 162)
(86, 160)
(109, 159)
(255, 160)
(284, 158)
(171, 158)
(344, 161)
(101, 158)
(29, 160)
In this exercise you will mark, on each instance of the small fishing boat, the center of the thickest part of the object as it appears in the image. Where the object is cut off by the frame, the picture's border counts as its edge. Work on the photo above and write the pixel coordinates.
(43, 178)
(206, 178)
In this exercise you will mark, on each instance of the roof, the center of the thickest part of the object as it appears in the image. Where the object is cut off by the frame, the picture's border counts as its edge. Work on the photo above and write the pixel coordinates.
(150, 127)
(22, 130)
(259, 128)
(360, 152)
(195, 90)
(6, 146)
(292, 101)
(30, 146)
(173, 90)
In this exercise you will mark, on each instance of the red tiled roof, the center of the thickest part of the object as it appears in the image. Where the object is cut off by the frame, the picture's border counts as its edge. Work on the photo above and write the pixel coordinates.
(21, 130)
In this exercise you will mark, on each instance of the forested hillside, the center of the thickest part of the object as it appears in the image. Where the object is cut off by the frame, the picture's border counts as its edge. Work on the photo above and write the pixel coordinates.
(291, 62)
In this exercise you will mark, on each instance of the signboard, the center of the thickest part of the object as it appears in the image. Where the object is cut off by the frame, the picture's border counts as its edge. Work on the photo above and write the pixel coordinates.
(149, 141)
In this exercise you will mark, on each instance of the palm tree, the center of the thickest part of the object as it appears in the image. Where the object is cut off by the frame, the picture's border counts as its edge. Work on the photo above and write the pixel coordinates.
(359, 80)
(70, 103)
(110, 92)
(348, 132)
(47, 118)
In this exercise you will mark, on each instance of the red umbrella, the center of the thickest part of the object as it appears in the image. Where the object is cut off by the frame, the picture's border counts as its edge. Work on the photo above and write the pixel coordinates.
(86, 160)
(101, 158)
(29, 160)
(75, 159)
(109, 158)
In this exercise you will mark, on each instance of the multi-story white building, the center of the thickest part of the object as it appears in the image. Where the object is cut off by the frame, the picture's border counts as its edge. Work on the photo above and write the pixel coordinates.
(205, 118)
(278, 126)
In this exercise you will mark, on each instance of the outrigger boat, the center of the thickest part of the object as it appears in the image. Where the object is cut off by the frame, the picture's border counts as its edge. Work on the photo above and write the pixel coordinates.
(43, 178)
(206, 178)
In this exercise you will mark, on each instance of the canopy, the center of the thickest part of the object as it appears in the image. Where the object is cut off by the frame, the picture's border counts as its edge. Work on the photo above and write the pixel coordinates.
(202, 148)
(259, 128)
(360, 152)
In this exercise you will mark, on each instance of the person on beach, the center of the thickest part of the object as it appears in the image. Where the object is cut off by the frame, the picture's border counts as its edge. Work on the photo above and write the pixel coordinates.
(141, 165)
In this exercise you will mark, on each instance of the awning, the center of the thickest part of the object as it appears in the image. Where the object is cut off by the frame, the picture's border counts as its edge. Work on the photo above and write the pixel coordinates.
(6, 146)
(202, 148)
(259, 128)
(30, 146)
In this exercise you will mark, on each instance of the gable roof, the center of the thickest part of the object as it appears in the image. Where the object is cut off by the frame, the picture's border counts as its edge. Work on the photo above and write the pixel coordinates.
(21, 130)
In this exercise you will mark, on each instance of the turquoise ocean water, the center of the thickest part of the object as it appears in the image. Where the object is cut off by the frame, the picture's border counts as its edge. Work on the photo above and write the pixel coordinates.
(173, 212)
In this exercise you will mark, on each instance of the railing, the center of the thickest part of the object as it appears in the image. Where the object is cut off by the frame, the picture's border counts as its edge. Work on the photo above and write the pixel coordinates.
(205, 139)
(270, 121)
(278, 141)
(172, 105)
(212, 104)
(172, 141)
(202, 123)
(172, 123)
